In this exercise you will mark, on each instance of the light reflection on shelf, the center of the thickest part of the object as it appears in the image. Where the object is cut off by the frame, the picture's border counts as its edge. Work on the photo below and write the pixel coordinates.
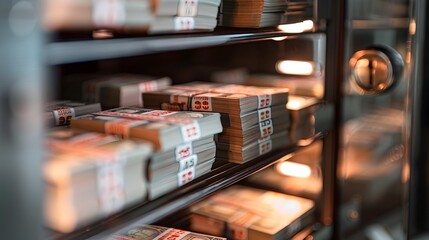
(294, 169)
(301, 68)
(299, 27)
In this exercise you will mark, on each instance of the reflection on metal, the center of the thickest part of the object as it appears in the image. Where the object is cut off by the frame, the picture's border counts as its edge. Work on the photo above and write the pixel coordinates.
(371, 70)
(375, 70)
(387, 23)
(412, 27)
(294, 169)
(102, 33)
(300, 68)
(279, 39)
(299, 27)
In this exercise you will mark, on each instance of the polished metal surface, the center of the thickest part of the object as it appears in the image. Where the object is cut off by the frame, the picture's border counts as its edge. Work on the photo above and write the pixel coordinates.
(375, 92)
(375, 70)
(371, 71)
(417, 134)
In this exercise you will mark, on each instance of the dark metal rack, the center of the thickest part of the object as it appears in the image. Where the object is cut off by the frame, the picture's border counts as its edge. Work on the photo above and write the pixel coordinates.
(64, 52)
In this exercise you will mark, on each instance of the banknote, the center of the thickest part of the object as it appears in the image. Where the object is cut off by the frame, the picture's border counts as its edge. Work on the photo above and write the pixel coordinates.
(152, 232)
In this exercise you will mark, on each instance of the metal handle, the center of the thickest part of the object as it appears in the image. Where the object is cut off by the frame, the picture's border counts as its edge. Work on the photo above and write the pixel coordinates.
(375, 70)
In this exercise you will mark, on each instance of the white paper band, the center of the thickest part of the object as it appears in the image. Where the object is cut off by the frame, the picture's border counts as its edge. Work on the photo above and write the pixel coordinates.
(186, 176)
(184, 23)
(202, 103)
(63, 115)
(191, 131)
(108, 13)
(183, 151)
(182, 101)
(264, 100)
(148, 86)
(266, 128)
(265, 146)
(110, 183)
(188, 163)
(187, 8)
(264, 114)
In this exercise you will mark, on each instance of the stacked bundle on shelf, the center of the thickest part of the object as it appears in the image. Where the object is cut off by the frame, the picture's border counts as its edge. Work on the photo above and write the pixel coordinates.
(183, 15)
(255, 119)
(252, 214)
(166, 169)
(96, 14)
(304, 99)
(252, 14)
(122, 90)
(91, 175)
(302, 116)
(59, 113)
(299, 10)
(183, 141)
(152, 232)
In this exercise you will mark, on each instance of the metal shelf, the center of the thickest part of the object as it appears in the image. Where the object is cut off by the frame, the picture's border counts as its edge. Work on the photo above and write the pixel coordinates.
(99, 49)
(150, 212)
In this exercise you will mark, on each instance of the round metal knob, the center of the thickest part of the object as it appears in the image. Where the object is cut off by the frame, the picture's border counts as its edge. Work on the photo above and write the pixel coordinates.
(375, 70)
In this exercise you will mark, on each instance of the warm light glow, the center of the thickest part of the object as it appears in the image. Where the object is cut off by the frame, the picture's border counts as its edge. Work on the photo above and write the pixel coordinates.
(412, 27)
(297, 27)
(362, 63)
(294, 169)
(295, 67)
(102, 33)
(278, 38)
(295, 104)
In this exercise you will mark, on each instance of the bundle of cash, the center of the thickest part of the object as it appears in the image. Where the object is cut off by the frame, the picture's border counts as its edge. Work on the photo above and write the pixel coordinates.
(216, 97)
(263, 13)
(152, 232)
(122, 90)
(118, 15)
(165, 129)
(171, 169)
(251, 214)
(173, 181)
(59, 113)
(184, 141)
(91, 175)
(239, 153)
(181, 15)
(252, 14)
(250, 115)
